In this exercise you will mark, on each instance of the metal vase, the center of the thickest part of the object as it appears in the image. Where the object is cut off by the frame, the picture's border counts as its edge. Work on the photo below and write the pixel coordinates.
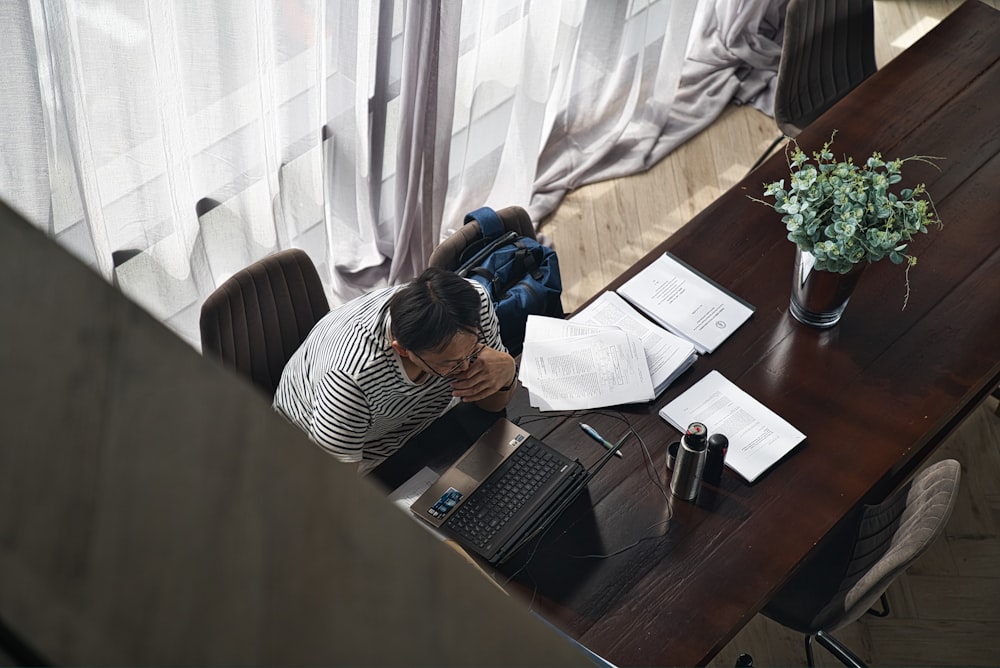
(819, 297)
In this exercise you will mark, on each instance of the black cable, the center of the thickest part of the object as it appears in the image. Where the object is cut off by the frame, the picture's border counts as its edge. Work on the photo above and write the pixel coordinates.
(651, 471)
(626, 548)
(654, 476)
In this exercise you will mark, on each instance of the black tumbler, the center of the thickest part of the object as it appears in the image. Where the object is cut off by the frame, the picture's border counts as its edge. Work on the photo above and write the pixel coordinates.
(715, 458)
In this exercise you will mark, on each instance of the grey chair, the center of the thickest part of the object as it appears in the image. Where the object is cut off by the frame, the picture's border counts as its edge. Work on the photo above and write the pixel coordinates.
(855, 566)
(260, 315)
(828, 49)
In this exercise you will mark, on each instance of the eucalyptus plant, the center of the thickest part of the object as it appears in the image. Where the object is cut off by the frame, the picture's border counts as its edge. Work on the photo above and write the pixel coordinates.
(844, 213)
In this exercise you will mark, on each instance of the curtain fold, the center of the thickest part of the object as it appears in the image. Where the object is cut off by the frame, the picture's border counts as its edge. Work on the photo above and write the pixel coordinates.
(427, 90)
(697, 59)
(168, 143)
(615, 119)
(24, 164)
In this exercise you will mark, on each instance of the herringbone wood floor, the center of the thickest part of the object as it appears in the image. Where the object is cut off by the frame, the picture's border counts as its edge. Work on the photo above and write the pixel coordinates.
(946, 608)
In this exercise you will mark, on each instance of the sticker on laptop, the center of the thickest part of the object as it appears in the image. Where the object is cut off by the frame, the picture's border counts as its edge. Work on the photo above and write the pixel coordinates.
(445, 503)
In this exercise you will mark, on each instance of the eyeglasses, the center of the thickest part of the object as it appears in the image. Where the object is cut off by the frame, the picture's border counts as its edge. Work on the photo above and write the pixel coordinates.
(468, 359)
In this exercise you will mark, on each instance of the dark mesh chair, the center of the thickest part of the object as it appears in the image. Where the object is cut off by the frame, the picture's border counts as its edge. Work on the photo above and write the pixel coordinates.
(260, 315)
(855, 566)
(828, 49)
(448, 254)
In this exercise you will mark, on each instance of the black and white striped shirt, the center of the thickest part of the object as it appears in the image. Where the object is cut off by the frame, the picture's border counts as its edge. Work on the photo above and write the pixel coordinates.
(347, 389)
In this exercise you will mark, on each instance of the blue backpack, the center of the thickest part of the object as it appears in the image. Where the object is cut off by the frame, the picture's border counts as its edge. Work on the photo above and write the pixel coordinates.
(520, 275)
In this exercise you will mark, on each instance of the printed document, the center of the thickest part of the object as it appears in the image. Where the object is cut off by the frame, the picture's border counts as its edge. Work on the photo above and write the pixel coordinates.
(667, 355)
(568, 366)
(758, 437)
(686, 303)
(406, 495)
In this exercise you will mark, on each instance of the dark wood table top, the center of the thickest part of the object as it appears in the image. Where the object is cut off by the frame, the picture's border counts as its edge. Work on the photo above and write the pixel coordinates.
(874, 395)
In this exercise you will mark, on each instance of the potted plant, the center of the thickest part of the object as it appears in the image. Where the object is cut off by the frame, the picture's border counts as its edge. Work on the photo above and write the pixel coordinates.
(842, 215)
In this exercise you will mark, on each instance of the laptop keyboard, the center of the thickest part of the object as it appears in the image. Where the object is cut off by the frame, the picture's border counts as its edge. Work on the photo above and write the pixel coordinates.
(498, 499)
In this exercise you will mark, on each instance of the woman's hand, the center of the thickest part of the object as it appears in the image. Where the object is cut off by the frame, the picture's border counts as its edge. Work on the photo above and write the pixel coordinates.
(483, 379)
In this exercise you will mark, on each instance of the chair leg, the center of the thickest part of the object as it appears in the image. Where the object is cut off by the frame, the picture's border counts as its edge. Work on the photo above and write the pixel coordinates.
(884, 612)
(839, 650)
(809, 652)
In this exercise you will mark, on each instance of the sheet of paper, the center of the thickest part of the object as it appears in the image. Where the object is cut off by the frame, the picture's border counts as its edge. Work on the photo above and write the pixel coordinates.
(543, 328)
(758, 437)
(604, 367)
(404, 495)
(686, 303)
(667, 355)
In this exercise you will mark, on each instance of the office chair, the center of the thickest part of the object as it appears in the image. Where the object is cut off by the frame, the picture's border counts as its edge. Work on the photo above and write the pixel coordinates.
(448, 254)
(827, 50)
(260, 315)
(841, 583)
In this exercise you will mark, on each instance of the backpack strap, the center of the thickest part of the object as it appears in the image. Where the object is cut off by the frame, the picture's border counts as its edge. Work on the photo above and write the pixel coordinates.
(523, 263)
(489, 222)
(527, 258)
(484, 253)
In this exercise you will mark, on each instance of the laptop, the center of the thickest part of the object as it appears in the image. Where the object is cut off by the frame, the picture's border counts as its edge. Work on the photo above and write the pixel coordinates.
(505, 490)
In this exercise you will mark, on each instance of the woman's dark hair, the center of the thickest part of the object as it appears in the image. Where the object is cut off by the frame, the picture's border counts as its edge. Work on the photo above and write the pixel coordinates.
(430, 311)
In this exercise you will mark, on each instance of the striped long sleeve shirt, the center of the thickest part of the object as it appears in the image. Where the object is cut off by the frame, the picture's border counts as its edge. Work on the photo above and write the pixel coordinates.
(346, 388)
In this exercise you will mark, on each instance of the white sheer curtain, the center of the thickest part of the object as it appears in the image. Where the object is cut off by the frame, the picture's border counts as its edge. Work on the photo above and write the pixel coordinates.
(168, 143)
(552, 96)
(555, 95)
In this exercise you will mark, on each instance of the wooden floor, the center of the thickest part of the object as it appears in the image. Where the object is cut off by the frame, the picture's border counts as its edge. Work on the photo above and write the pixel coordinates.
(946, 608)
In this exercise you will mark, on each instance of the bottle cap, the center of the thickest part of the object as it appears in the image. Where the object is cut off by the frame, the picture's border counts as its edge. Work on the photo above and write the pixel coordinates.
(695, 436)
(718, 443)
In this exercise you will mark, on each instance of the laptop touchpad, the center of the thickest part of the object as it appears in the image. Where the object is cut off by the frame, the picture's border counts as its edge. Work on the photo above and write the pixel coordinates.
(479, 462)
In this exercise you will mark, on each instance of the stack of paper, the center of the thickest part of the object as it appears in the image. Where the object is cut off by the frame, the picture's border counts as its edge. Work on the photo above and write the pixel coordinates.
(686, 303)
(570, 366)
(667, 355)
(610, 354)
(758, 437)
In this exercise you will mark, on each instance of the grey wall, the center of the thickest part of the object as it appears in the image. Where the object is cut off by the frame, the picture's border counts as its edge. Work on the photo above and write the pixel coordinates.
(154, 510)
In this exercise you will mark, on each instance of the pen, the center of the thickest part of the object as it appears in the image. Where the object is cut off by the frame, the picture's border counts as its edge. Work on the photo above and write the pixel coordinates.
(590, 431)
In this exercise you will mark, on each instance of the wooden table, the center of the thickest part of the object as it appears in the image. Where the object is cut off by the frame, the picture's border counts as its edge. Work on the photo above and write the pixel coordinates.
(874, 395)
